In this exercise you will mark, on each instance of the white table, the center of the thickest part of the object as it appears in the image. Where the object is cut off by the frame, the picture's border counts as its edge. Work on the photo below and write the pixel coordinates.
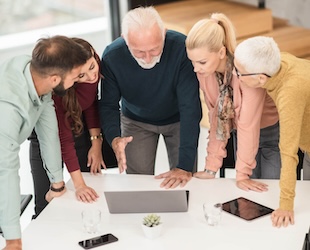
(59, 226)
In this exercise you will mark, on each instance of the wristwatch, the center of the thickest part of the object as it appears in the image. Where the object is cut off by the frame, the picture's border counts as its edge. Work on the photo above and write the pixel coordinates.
(210, 172)
(58, 190)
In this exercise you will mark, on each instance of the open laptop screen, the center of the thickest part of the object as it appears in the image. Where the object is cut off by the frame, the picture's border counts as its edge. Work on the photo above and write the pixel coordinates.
(154, 201)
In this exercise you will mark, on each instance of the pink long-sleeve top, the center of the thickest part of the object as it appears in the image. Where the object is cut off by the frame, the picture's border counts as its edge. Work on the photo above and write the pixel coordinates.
(86, 94)
(254, 109)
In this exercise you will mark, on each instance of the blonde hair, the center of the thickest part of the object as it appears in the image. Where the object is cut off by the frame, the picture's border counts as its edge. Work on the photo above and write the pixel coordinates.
(214, 33)
(141, 18)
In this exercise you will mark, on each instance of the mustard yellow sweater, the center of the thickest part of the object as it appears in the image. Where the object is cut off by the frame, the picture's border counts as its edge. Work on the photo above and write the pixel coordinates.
(290, 90)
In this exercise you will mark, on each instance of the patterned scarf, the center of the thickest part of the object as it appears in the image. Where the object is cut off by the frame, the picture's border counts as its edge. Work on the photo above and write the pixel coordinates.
(225, 112)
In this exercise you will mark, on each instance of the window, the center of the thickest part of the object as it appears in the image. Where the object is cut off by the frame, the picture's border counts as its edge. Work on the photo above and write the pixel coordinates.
(23, 22)
(24, 15)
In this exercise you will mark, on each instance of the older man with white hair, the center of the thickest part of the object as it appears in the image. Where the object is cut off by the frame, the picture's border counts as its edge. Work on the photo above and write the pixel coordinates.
(148, 70)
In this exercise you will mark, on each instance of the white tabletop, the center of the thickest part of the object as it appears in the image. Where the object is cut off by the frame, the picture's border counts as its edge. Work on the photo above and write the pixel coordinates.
(59, 226)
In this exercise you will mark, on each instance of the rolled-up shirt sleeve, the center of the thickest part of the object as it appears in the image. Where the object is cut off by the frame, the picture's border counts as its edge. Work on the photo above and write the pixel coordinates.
(47, 132)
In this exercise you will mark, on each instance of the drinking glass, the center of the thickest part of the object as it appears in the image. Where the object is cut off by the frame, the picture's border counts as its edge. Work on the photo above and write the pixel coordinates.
(212, 213)
(91, 220)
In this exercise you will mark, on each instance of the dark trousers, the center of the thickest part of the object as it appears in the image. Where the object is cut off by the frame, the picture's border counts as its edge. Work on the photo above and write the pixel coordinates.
(268, 156)
(40, 179)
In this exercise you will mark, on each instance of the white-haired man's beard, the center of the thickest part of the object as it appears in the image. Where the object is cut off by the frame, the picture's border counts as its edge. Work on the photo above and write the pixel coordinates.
(144, 65)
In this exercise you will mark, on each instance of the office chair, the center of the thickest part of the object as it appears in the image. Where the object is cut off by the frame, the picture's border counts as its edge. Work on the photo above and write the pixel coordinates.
(299, 166)
(24, 201)
(229, 161)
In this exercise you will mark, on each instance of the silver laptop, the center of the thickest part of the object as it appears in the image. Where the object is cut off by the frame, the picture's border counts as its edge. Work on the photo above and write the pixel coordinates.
(156, 201)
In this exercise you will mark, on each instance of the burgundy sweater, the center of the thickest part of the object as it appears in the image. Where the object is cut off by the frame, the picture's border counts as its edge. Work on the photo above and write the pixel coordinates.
(86, 94)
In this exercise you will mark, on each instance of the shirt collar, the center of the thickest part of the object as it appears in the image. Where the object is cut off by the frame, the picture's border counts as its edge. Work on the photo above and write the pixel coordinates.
(36, 100)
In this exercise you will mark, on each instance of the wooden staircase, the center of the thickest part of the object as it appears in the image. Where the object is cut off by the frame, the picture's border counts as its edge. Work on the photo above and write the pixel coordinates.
(182, 15)
(247, 19)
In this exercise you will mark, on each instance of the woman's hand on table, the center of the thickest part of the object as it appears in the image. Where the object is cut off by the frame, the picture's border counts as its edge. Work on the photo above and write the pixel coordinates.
(86, 194)
(248, 184)
(94, 158)
(283, 218)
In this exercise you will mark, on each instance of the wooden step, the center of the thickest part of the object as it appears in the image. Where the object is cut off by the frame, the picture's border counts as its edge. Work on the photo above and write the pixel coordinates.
(279, 23)
(292, 39)
(247, 19)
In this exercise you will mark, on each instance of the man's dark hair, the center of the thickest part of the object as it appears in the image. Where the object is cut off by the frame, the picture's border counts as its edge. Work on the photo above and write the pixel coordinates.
(57, 55)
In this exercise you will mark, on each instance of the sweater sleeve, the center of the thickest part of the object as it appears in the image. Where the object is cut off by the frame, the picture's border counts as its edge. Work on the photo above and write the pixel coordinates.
(66, 137)
(91, 116)
(88, 99)
(216, 149)
(248, 129)
(290, 119)
(109, 107)
(190, 114)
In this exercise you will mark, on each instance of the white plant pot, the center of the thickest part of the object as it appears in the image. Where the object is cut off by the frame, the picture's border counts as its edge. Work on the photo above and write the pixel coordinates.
(152, 232)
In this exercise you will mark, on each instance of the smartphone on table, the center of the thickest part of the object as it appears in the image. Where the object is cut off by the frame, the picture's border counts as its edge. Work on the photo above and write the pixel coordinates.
(98, 241)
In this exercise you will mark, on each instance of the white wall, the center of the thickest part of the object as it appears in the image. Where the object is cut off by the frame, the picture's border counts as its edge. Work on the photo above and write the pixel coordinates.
(296, 11)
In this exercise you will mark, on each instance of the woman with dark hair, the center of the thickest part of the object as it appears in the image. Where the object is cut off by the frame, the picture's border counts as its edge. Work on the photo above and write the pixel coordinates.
(79, 132)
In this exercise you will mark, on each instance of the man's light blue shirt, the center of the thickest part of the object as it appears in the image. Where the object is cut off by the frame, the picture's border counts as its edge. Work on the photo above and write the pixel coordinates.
(21, 110)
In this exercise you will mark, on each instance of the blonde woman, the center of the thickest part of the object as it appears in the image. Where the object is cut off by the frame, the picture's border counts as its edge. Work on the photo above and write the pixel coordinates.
(233, 107)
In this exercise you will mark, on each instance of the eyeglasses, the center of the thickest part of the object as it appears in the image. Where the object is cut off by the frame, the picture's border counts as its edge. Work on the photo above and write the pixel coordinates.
(250, 74)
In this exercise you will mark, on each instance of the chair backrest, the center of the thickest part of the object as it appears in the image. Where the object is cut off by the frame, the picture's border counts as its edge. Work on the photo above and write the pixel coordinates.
(229, 161)
(299, 166)
(24, 201)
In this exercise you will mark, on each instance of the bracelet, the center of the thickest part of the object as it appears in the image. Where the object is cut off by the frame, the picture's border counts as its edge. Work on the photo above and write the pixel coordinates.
(58, 190)
(210, 172)
(95, 137)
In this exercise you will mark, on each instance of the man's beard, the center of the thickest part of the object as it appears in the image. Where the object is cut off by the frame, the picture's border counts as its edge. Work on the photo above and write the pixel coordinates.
(60, 89)
(144, 65)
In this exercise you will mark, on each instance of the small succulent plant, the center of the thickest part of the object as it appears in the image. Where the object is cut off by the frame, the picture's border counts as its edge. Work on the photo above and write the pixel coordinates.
(151, 220)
